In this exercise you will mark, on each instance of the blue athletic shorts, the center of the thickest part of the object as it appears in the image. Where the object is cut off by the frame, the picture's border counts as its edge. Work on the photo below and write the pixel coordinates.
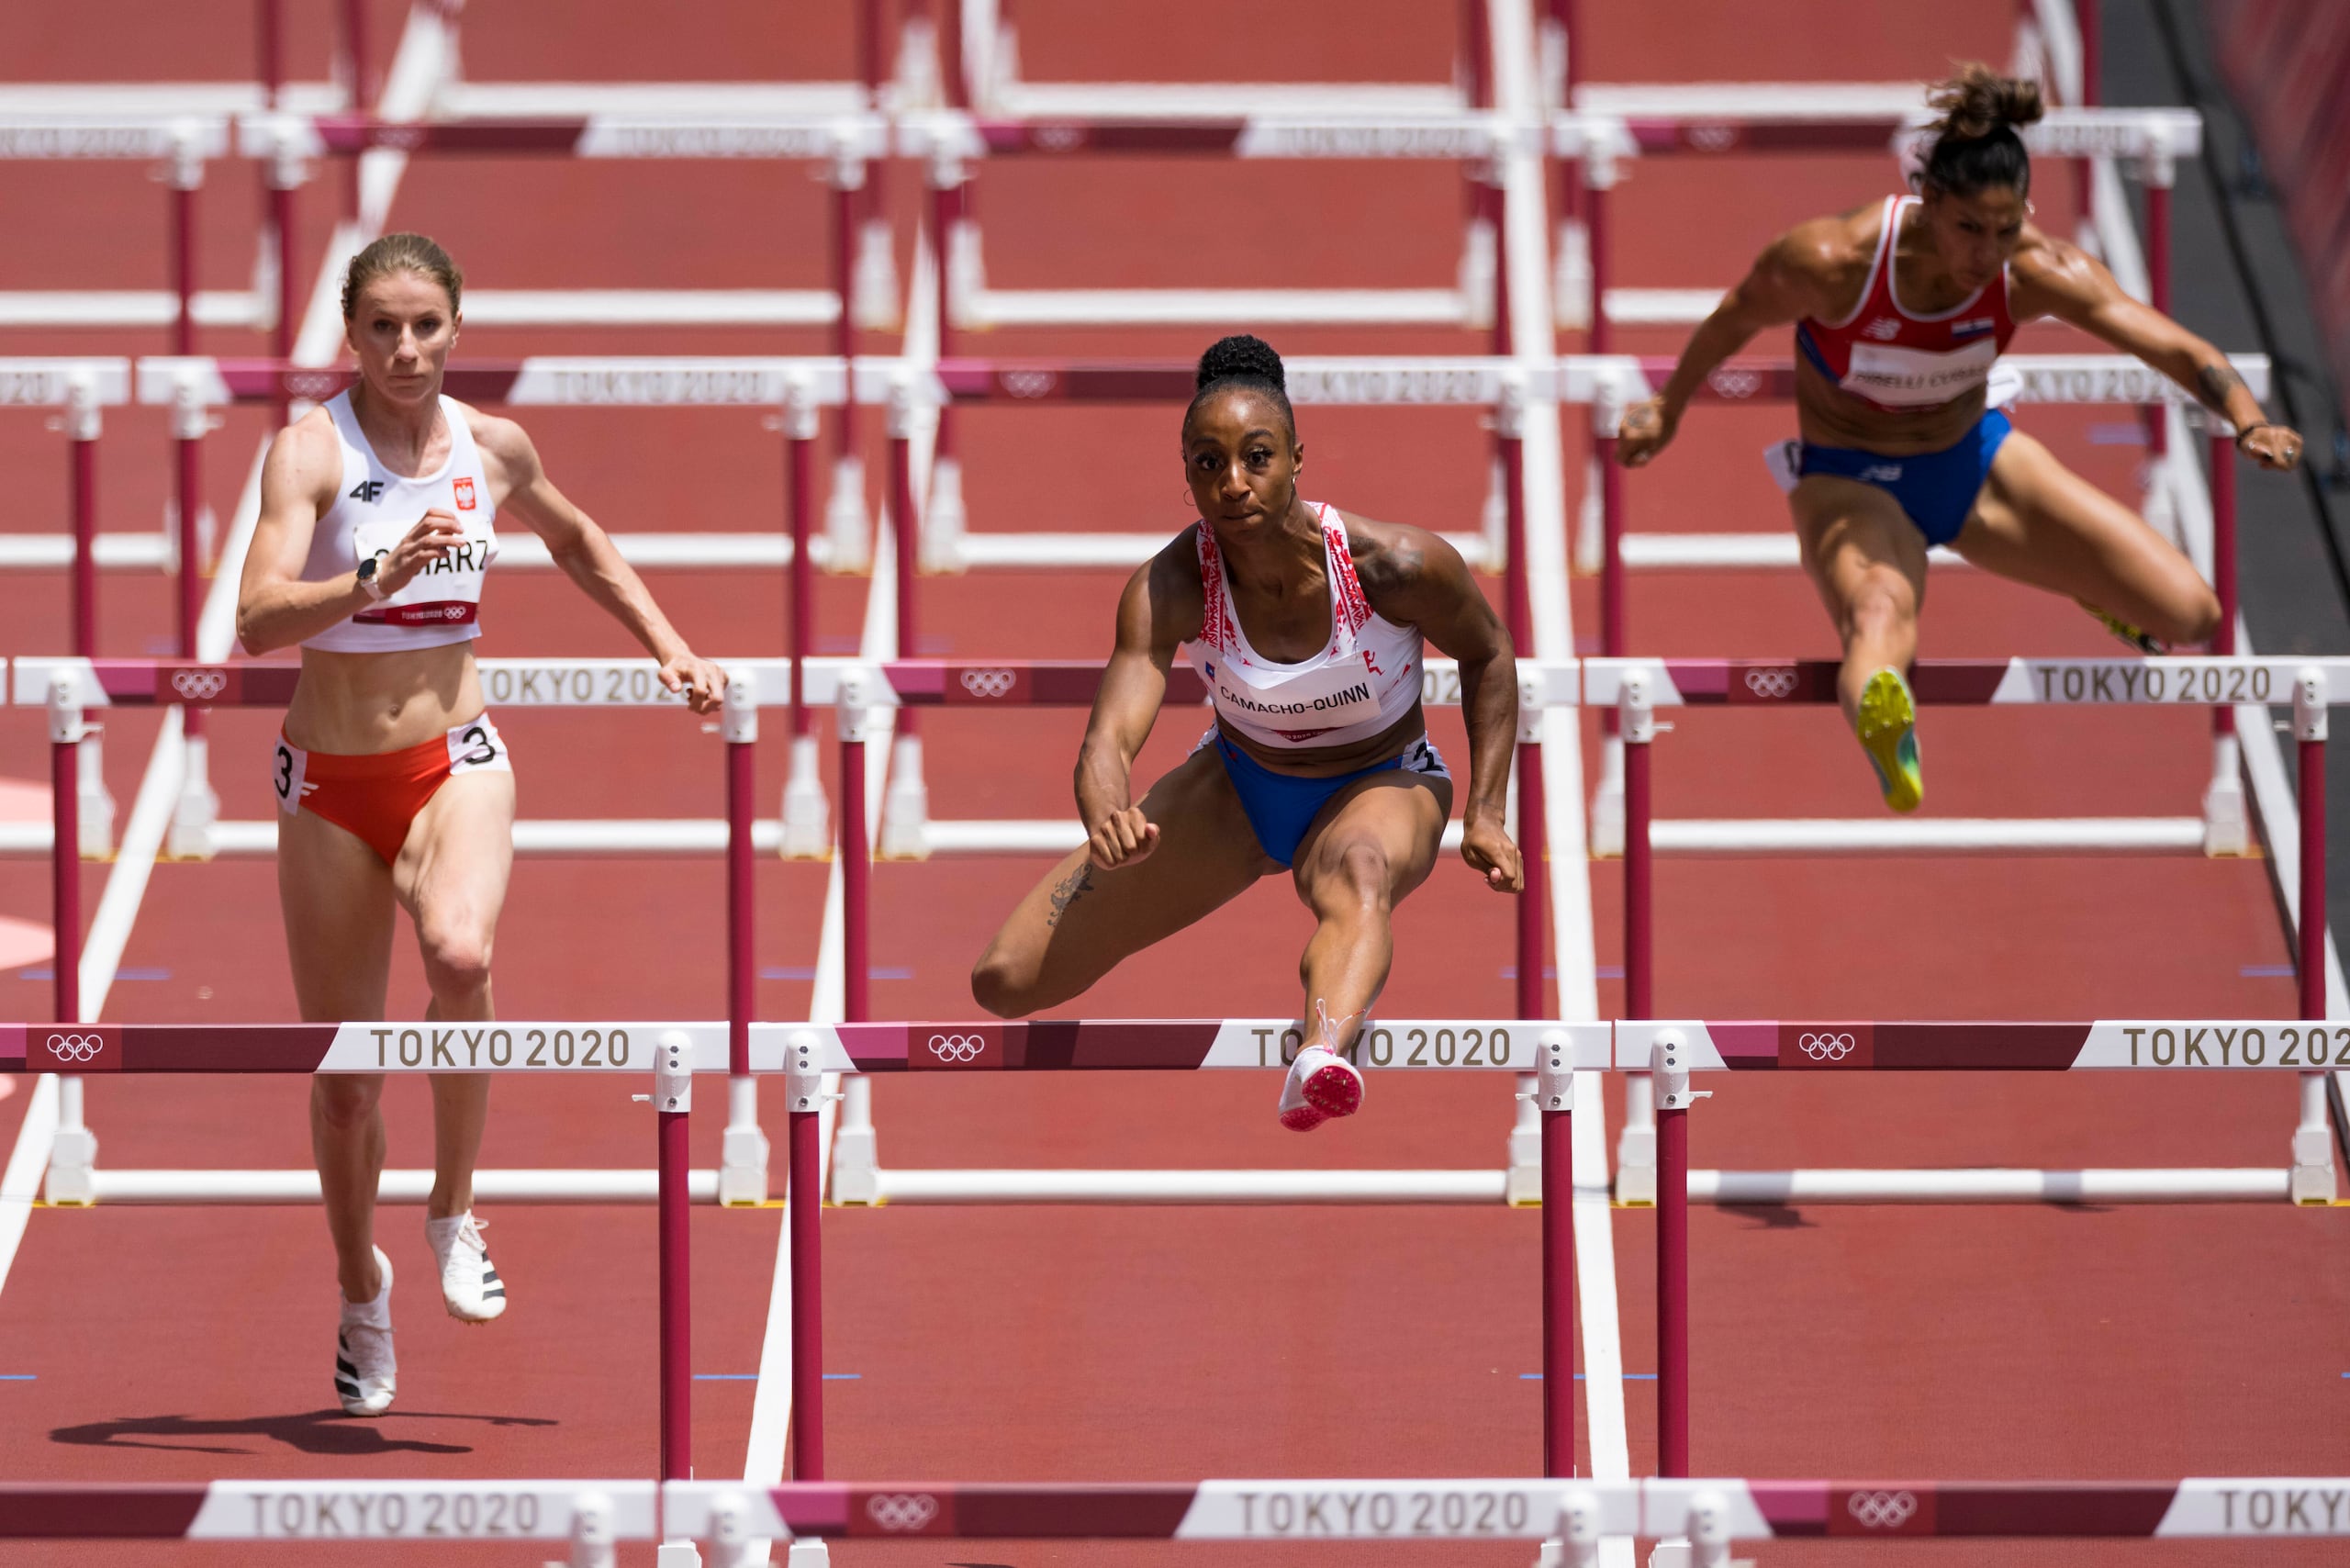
(1937, 489)
(1282, 806)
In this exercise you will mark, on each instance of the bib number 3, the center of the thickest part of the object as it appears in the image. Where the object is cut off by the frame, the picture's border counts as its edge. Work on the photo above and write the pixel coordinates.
(475, 747)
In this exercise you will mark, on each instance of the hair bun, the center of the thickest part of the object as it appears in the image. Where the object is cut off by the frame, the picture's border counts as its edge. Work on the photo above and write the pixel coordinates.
(1978, 101)
(1240, 358)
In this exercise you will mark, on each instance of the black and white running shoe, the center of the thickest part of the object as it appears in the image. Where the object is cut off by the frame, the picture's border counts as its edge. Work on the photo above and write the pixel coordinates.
(367, 1372)
(470, 1287)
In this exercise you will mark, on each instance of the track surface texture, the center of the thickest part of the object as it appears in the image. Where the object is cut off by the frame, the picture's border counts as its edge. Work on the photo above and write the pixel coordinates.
(1167, 1343)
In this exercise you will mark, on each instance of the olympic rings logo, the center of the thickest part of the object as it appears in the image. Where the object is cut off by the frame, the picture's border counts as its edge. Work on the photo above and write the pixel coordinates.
(406, 138)
(956, 1048)
(1826, 1047)
(1882, 1510)
(74, 1048)
(901, 1511)
(1059, 138)
(198, 685)
(1030, 383)
(988, 682)
(312, 385)
(1772, 685)
(1735, 382)
(1712, 137)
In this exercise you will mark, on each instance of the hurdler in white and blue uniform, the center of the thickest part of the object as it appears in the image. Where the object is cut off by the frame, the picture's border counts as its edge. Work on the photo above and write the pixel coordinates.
(1306, 626)
(1901, 308)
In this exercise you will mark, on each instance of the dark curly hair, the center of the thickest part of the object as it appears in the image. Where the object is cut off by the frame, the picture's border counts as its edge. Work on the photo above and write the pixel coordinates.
(1975, 147)
(1242, 361)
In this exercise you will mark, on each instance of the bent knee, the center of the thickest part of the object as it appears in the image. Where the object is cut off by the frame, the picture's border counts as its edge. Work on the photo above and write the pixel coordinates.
(341, 1104)
(1359, 876)
(456, 963)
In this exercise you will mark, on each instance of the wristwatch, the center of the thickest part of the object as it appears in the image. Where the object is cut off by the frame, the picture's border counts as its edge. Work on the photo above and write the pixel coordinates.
(367, 577)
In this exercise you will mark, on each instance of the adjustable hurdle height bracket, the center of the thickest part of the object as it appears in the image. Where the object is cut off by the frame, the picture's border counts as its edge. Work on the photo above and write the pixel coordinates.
(1707, 1544)
(2311, 1178)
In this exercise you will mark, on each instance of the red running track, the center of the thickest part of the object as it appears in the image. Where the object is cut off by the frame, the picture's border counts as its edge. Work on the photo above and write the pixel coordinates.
(1091, 1343)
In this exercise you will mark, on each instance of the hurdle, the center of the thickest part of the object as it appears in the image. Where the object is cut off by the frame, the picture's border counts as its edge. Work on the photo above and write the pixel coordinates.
(671, 1053)
(1671, 1052)
(69, 689)
(1711, 1514)
(1638, 687)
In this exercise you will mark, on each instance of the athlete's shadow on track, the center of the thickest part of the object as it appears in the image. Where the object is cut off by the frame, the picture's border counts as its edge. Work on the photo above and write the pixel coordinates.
(312, 1432)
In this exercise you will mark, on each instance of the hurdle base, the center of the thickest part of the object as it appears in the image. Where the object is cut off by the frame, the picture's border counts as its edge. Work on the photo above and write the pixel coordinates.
(678, 1554)
(2161, 1185)
(807, 1554)
(70, 1180)
(1233, 1186)
(406, 1186)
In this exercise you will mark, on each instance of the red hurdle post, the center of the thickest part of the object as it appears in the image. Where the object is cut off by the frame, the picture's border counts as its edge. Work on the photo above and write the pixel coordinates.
(2092, 72)
(66, 728)
(849, 179)
(2223, 560)
(672, 1096)
(2310, 698)
(800, 503)
(1669, 1067)
(741, 728)
(905, 525)
(856, 724)
(2158, 170)
(355, 65)
(1509, 430)
(1638, 723)
(190, 422)
(186, 177)
(803, 1213)
(1554, 1093)
(82, 423)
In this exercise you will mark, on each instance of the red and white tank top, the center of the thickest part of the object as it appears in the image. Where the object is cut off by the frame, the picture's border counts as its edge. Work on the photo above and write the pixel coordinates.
(1899, 361)
(1365, 679)
(374, 509)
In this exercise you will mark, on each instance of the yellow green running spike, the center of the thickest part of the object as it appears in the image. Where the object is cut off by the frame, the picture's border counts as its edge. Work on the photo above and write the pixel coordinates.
(1888, 731)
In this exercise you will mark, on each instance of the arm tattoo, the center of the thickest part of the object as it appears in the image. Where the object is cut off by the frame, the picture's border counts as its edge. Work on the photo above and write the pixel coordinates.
(2213, 383)
(1072, 887)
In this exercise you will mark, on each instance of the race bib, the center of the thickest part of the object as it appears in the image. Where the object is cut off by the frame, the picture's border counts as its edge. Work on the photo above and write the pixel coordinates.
(477, 747)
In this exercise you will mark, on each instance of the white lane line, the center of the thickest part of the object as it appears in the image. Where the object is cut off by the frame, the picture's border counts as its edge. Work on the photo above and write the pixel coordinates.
(1526, 253)
(771, 1398)
(20, 1184)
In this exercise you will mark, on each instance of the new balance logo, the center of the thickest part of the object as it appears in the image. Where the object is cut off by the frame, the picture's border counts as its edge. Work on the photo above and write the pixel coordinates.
(368, 491)
(1885, 329)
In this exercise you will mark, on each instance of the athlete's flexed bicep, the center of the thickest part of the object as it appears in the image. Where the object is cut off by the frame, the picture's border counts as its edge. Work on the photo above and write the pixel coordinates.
(1158, 611)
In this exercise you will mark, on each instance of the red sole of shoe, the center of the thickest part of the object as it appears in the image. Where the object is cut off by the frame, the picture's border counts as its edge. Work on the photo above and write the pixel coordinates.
(1303, 1118)
(1334, 1091)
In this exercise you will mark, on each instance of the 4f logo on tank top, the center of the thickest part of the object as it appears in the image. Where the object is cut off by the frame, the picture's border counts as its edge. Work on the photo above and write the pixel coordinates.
(368, 491)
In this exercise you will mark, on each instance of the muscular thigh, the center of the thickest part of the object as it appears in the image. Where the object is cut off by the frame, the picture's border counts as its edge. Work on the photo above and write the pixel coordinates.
(2038, 522)
(1399, 814)
(336, 896)
(1076, 924)
(1852, 536)
(452, 871)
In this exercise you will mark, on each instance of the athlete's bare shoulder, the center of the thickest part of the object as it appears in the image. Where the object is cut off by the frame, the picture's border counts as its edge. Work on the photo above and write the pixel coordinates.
(306, 458)
(1410, 575)
(1831, 251)
(500, 437)
(1167, 585)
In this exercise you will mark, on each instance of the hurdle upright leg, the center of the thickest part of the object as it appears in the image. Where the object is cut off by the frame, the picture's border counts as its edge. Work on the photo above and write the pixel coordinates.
(73, 1154)
(93, 835)
(743, 1161)
(1637, 1177)
(807, 826)
(1555, 1098)
(2313, 1174)
(2227, 826)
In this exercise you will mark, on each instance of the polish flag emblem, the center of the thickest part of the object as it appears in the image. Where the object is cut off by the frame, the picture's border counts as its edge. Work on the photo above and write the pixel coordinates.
(465, 494)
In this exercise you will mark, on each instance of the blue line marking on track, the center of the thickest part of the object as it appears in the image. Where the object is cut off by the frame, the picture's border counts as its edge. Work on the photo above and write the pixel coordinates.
(2266, 972)
(1628, 1377)
(1509, 971)
(753, 1377)
(29, 1377)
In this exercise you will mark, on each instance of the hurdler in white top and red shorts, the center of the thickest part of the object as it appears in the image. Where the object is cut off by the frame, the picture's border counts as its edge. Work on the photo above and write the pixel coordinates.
(376, 796)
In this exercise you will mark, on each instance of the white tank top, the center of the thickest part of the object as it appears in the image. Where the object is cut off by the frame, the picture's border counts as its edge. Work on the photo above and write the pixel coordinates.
(1363, 682)
(374, 509)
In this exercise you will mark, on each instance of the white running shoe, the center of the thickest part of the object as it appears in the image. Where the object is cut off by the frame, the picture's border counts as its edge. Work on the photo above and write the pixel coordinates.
(470, 1287)
(1321, 1084)
(366, 1370)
